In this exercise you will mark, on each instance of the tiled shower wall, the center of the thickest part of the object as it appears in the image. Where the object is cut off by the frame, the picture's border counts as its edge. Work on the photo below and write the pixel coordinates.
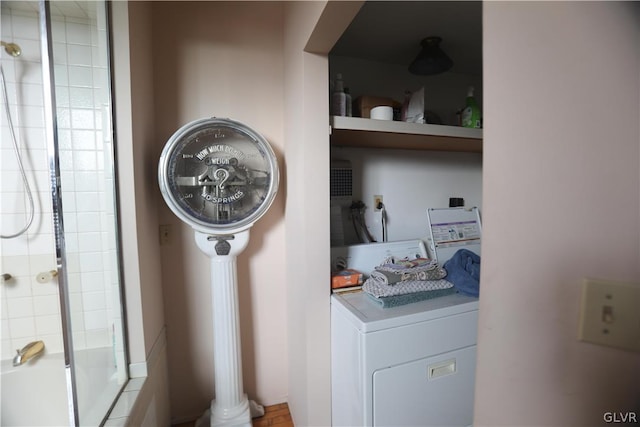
(31, 310)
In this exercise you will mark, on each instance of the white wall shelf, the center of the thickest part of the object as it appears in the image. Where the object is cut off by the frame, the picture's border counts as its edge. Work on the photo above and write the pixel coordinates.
(359, 132)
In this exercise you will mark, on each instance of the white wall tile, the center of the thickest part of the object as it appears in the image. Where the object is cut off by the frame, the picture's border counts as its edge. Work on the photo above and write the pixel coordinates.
(42, 243)
(20, 307)
(78, 34)
(19, 286)
(81, 91)
(31, 116)
(41, 289)
(89, 222)
(38, 159)
(25, 27)
(63, 118)
(53, 343)
(61, 75)
(83, 139)
(5, 136)
(82, 119)
(79, 55)
(4, 330)
(17, 246)
(92, 281)
(6, 24)
(58, 31)
(12, 96)
(86, 181)
(94, 301)
(81, 97)
(48, 325)
(14, 265)
(62, 96)
(8, 160)
(80, 76)
(22, 327)
(30, 94)
(79, 340)
(46, 305)
(12, 223)
(10, 182)
(12, 203)
(71, 242)
(97, 338)
(87, 201)
(29, 71)
(95, 320)
(91, 261)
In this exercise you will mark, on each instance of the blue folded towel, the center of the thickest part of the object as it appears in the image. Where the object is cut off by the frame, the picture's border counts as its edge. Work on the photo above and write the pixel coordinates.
(463, 270)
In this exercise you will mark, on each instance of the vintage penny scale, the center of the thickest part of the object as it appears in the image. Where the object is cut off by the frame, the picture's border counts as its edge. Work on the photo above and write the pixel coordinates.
(220, 176)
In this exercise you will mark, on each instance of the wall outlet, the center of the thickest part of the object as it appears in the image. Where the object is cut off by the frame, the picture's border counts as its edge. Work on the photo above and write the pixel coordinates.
(610, 315)
(377, 200)
(165, 234)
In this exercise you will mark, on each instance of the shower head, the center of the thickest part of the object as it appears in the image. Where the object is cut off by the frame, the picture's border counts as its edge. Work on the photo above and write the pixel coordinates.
(11, 48)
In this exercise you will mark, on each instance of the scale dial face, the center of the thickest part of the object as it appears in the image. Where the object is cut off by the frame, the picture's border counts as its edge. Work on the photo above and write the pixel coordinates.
(218, 175)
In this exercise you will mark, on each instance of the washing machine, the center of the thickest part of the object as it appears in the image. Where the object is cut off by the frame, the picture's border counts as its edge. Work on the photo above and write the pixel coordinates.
(411, 365)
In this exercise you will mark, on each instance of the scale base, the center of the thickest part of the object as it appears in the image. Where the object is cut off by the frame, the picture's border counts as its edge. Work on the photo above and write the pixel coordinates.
(240, 419)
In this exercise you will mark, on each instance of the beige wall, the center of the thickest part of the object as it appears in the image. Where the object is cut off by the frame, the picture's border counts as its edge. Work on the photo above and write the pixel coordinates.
(135, 128)
(134, 122)
(543, 179)
(308, 321)
(561, 202)
(311, 29)
(222, 59)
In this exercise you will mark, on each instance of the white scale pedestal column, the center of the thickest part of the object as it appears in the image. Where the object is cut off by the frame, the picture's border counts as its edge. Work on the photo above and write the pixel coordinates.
(231, 407)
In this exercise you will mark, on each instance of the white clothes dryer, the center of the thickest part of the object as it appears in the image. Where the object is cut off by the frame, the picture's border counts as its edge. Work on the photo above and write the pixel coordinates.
(412, 365)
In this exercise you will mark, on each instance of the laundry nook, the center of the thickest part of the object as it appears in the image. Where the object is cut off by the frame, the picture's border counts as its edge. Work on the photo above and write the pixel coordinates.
(319, 213)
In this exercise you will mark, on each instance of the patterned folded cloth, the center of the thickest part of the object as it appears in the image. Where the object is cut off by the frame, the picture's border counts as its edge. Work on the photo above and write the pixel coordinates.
(397, 300)
(392, 271)
(391, 278)
(379, 289)
(418, 264)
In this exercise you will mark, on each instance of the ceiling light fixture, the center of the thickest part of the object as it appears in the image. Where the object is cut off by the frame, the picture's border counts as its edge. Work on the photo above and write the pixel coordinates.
(431, 59)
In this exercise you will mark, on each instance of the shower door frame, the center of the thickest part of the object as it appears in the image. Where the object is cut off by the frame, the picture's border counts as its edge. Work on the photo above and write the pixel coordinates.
(52, 142)
(51, 132)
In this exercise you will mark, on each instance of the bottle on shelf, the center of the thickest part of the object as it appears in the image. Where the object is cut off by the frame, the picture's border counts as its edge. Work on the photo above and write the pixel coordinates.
(471, 117)
(404, 112)
(339, 98)
(348, 111)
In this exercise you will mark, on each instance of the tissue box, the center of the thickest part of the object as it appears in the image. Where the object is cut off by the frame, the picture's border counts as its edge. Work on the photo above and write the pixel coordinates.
(363, 104)
(347, 277)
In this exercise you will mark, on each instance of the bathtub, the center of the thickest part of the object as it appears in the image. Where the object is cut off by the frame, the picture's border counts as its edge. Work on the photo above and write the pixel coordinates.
(35, 394)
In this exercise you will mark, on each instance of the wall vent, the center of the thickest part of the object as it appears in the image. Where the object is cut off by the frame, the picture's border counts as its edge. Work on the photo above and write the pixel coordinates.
(341, 180)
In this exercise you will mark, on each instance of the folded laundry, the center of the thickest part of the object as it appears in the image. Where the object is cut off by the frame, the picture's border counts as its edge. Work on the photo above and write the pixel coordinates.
(391, 278)
(397, 300)
(395, 265)
(380, 289)
(463, 270)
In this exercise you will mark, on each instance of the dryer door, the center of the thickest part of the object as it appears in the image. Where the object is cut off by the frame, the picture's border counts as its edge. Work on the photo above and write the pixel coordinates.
(433, 391)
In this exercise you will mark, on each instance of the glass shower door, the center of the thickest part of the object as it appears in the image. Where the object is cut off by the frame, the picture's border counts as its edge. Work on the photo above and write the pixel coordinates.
(61, 281)
(80, 60)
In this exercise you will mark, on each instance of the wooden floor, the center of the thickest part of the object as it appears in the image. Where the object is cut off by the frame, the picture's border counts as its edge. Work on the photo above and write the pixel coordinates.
(276, 416)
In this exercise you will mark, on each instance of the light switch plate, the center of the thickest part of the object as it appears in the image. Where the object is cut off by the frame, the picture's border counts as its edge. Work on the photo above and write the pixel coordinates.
(610, 314)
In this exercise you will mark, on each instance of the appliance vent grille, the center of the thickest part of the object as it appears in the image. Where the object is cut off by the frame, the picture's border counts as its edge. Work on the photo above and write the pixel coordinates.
(341, 185)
